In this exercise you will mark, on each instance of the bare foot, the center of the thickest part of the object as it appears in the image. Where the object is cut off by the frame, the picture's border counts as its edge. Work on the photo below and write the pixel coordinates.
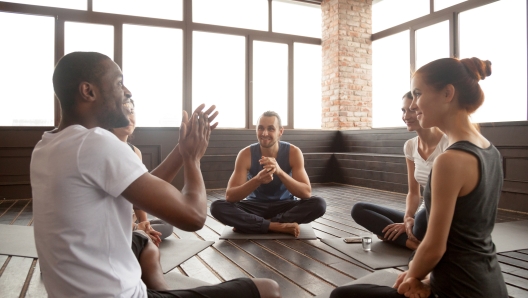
(288, 228)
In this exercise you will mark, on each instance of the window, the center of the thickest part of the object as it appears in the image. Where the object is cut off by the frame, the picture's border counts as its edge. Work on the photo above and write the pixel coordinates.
(152, 70)
(160, 9)
(441, 4)
(89, 38)
(270, 79)
(432, 43)
(390, 78)
(219, 71)
(307, 70)
(232, 13)
(389, 13)
(71, 4)
(27, 61)
(505, 89)
(307, 18)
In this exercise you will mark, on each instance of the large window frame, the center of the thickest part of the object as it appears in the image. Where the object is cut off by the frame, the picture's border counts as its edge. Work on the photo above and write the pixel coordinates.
(62, 15)
(450, 14)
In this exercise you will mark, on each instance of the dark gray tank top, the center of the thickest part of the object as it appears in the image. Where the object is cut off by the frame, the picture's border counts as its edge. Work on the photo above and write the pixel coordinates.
(275, 190)
(469, 267)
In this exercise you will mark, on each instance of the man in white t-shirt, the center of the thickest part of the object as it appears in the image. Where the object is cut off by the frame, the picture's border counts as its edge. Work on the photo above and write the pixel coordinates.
(84, 182)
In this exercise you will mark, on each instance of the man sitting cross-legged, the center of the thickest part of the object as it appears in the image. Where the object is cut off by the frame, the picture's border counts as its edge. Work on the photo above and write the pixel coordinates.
(262, 192)
(85, 181)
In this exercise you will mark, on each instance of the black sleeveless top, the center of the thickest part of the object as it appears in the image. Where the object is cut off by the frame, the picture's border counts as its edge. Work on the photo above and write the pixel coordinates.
(275, 190)
(469, 267)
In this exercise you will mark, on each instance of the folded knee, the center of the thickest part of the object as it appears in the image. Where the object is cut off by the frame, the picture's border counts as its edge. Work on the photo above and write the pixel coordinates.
(319, 205)
(357, 210)
(216, 208)
(267, 288)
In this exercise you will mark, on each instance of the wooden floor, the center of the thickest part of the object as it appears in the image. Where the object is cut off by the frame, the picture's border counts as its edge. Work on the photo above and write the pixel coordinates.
(302, 268)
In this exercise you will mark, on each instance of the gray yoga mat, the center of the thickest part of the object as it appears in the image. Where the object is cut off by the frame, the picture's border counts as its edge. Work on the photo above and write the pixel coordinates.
(385, 277)
(307, 233)
(177, 281)
(509, 236)
(174, 251)
(17, 241)
(382, 255)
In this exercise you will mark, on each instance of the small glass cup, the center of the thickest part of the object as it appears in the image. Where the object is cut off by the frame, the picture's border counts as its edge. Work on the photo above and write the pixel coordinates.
(366, 240)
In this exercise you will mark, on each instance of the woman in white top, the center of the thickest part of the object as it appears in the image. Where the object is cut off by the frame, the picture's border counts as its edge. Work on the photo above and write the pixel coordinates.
(156, 229)
(406, 229)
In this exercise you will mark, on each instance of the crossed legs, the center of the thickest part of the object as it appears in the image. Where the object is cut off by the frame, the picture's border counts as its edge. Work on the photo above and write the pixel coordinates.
(260, 216)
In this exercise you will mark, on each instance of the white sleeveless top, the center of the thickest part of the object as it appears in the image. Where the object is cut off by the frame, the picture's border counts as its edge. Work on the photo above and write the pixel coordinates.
(422, 168)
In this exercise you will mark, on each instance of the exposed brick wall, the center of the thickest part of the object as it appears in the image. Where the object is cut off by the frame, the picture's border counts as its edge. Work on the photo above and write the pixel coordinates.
(347, 64)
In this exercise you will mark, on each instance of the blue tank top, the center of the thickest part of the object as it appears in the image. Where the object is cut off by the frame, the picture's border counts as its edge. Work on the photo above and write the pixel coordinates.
(275, 190)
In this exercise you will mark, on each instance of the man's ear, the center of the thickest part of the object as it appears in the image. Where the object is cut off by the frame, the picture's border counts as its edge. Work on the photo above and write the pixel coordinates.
(87, 91)
(449, 93)
(281, 131)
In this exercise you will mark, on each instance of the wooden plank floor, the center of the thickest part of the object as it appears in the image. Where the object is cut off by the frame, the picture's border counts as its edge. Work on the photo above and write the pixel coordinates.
(303, 268)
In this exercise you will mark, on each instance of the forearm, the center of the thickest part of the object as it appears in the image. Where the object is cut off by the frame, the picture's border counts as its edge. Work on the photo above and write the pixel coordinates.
(412, 204)
(140, 214)
(238, 193)
(193, 191)
(296, 188)
(424, 261)
(170, 166)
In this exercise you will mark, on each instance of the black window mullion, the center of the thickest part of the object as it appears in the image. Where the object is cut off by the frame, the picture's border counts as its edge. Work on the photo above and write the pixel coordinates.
(454, 41)
(249, 76)
(59, 52)
(290, 85)
(118, 44)
(187, 57)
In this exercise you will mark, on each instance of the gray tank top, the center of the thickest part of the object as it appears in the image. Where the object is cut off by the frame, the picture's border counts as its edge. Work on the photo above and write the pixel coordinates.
(469, 267)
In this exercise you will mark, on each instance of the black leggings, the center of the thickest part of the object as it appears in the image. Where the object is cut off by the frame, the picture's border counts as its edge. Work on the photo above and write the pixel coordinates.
(366, 291)
(375, 218)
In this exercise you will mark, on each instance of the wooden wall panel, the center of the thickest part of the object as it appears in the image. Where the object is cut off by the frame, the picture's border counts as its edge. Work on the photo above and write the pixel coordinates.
(370, 158)
(365, 152)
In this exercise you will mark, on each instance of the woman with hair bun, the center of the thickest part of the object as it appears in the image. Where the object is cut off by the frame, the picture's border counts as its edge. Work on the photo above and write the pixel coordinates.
(457, 257)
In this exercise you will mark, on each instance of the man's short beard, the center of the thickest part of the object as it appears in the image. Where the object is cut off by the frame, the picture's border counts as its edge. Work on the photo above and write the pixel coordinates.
(113, 119)
(271, 145)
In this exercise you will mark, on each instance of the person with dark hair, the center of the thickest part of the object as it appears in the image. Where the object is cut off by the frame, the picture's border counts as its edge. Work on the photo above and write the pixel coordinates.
(156, 229)
(269, 189)
(85, 181)
(406, 229)
(457, 257)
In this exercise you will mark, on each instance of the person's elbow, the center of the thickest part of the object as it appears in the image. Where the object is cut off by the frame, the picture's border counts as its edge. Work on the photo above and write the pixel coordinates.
(231, 196)
(195, 222)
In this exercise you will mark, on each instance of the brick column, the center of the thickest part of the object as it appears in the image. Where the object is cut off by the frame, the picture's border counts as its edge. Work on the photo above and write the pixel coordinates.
(347, 64)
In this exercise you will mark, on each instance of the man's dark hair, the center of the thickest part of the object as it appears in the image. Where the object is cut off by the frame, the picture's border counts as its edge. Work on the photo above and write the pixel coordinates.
(272, 114)
(71, 70)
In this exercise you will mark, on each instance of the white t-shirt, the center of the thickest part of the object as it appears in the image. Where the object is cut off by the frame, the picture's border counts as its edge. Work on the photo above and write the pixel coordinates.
(83, 229)
(422, 168)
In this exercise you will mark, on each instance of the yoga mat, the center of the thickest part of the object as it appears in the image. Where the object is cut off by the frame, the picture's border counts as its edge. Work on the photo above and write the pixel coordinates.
(17, 241)
(382, 255)
(509, 236)
(177, 281)
(174, 251)
(385, 277)
(307, 233)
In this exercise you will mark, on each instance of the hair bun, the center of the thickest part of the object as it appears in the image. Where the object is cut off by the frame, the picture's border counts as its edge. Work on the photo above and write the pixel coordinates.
(477, 68)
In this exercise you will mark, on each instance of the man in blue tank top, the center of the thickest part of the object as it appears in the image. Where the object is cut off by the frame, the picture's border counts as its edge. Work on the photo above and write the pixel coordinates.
(269, 189)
